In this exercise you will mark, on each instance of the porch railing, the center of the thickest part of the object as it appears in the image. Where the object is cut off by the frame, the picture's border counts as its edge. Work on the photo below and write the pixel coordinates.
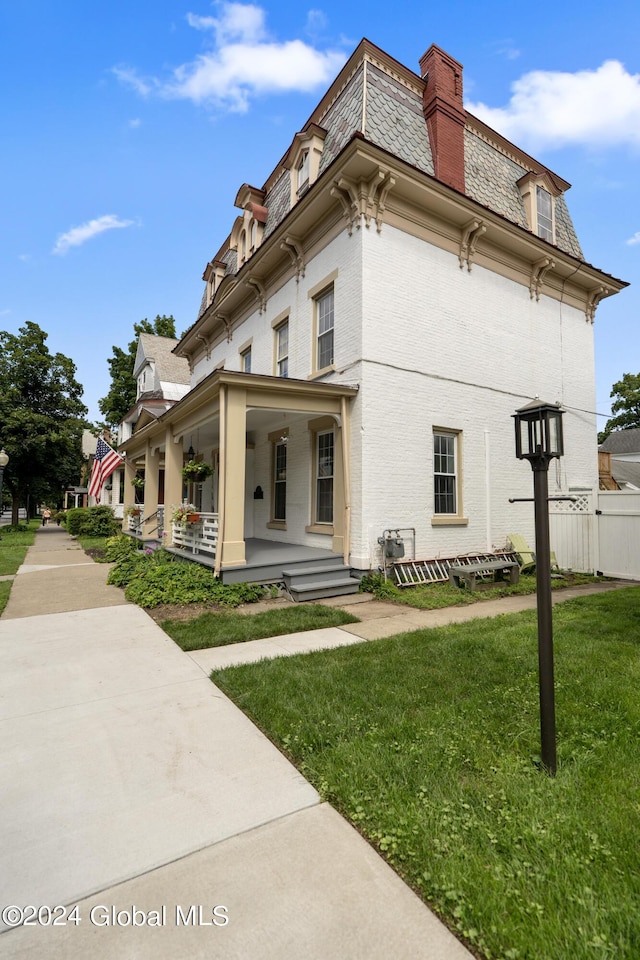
(198, 537)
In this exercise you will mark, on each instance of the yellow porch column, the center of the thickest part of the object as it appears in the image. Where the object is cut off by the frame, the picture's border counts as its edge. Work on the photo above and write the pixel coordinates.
(129, 491)
(233, 447)
(151, 478)
(172, 480)
(338, 541)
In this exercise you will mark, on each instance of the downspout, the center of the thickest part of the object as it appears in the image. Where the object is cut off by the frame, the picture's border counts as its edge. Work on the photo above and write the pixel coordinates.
(487, 483)
(346, 468)
(222, 476)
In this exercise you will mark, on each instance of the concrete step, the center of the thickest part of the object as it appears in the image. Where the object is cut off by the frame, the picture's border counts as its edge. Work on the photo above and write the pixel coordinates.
(319, 589)
(327, 571)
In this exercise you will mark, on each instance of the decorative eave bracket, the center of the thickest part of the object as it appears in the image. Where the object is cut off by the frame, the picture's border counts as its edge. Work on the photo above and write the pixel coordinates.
(471, 233)
(539, 270)
(227, 326)
(364, 198)
(260, 292)
(206, 344)
(293, 247)
(593, 300)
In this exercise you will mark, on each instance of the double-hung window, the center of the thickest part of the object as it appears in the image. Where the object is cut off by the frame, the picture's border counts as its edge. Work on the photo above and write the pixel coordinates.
(324, 477)
(280, 481)
(324, 318)
(545, 214)
(282, 349)
(445, 475)
(302, 173)
(245, 359)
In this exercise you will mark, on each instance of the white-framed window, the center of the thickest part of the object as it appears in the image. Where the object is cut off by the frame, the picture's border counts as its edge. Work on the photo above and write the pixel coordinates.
(282, 349)
(302, 173)
(245, 360)
(253, 235)
(544, 206)
(279, 493)
(445, 473)
(324, 469)
(324, 329)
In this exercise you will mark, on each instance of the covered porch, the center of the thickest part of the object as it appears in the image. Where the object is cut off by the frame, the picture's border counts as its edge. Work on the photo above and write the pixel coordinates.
(279, 491)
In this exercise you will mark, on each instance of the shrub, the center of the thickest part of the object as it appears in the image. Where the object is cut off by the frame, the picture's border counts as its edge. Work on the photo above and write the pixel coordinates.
(376, 584)
(118, 548)
(91, 522)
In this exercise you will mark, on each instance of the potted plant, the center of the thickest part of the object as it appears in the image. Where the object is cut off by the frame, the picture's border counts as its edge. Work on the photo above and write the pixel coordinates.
(133, 510)
(138, 483)
(195, 471)
(185, 513)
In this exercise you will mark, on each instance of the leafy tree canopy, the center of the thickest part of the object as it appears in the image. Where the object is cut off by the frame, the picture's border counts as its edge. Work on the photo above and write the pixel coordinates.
(122, 394)
(41, 418)
(626, 405)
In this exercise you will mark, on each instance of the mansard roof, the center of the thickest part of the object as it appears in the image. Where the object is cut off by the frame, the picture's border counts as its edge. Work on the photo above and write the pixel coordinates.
(382, 102)
(169, 367)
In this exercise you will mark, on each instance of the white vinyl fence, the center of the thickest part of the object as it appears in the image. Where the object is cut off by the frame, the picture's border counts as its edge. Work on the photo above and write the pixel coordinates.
(618, 519)
(599, 532)
(572, 532)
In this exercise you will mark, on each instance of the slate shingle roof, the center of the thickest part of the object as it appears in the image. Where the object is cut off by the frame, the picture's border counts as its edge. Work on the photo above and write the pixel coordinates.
(390, 115)
(169, 368)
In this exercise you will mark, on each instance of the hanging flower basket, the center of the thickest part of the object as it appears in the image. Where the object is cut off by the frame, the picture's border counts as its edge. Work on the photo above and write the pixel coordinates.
(195, 471)
(138, 483)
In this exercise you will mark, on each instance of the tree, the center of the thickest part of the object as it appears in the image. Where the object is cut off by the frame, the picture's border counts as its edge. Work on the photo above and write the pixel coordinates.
(122, 394)
(626, 405)
(41, 418)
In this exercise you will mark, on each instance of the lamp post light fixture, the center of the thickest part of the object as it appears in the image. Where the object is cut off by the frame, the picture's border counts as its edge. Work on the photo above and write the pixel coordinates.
(4, 460)
(539, 438)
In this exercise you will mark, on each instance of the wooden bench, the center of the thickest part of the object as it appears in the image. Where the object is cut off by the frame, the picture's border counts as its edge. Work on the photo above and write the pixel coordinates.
(469, 572)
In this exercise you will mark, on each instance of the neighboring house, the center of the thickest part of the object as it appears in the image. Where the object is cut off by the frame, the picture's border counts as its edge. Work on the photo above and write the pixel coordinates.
(162, 379)
(403, 281)
(622, 448)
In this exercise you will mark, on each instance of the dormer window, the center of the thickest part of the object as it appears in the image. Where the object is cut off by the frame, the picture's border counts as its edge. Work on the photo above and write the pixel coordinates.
(545, 214)
(303, 159)
(247, 232)
(213, 275)
(302, 173)
(539, 192)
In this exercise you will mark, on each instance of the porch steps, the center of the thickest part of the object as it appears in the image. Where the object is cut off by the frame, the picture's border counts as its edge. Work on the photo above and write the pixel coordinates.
(272, 571)
(317, 582)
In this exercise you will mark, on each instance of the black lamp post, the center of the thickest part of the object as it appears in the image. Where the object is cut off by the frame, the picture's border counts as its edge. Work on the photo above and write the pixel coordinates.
(4, 460)
(539, 439)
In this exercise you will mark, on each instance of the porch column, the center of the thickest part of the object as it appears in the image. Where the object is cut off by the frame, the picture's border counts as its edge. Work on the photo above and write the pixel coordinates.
(151, 476)
(338, 540)
(129, 491)
(233, 451)
(173, 483)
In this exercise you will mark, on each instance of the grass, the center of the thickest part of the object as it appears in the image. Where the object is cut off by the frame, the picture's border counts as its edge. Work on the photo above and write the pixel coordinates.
(94, 546)
(428, 742)
(14, 545)
(5, 590)
(434, 596)
(218, 629)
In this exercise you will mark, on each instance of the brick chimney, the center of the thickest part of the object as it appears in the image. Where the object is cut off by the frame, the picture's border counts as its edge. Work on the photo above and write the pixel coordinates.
(444, 113)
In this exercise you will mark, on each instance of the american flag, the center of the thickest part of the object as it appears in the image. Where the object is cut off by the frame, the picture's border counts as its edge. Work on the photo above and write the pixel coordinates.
(105, 463)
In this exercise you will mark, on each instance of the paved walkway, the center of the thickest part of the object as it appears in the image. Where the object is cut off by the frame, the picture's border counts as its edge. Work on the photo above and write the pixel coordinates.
(135, 789)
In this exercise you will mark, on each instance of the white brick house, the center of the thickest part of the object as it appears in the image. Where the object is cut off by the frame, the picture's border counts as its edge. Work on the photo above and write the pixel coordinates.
(403, 281)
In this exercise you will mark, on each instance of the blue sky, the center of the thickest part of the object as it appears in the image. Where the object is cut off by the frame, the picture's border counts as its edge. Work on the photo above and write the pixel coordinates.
(129, 125)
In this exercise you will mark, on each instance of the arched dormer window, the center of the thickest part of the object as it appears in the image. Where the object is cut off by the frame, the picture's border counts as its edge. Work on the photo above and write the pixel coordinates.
(539, 193)
(213, 275)
(303, 159)
(248, 229)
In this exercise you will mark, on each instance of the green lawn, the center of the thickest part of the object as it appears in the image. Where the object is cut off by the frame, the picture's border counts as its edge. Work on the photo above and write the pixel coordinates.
(428, 743)
(14, 545)
(433, 596)
(218, 629)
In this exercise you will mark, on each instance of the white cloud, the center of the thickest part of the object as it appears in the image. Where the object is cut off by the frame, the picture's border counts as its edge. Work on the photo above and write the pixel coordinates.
(242, 61)
(134, 123)
(79, 235)
(548, 109)
(632, 241)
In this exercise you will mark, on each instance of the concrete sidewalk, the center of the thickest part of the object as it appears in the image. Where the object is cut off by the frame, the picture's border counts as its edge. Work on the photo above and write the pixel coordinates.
(136, 791)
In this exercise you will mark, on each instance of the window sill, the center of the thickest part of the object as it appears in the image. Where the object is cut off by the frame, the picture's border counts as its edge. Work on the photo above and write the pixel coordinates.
(325, 528)
(277, 525)
(321, 373)
(444, 520)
